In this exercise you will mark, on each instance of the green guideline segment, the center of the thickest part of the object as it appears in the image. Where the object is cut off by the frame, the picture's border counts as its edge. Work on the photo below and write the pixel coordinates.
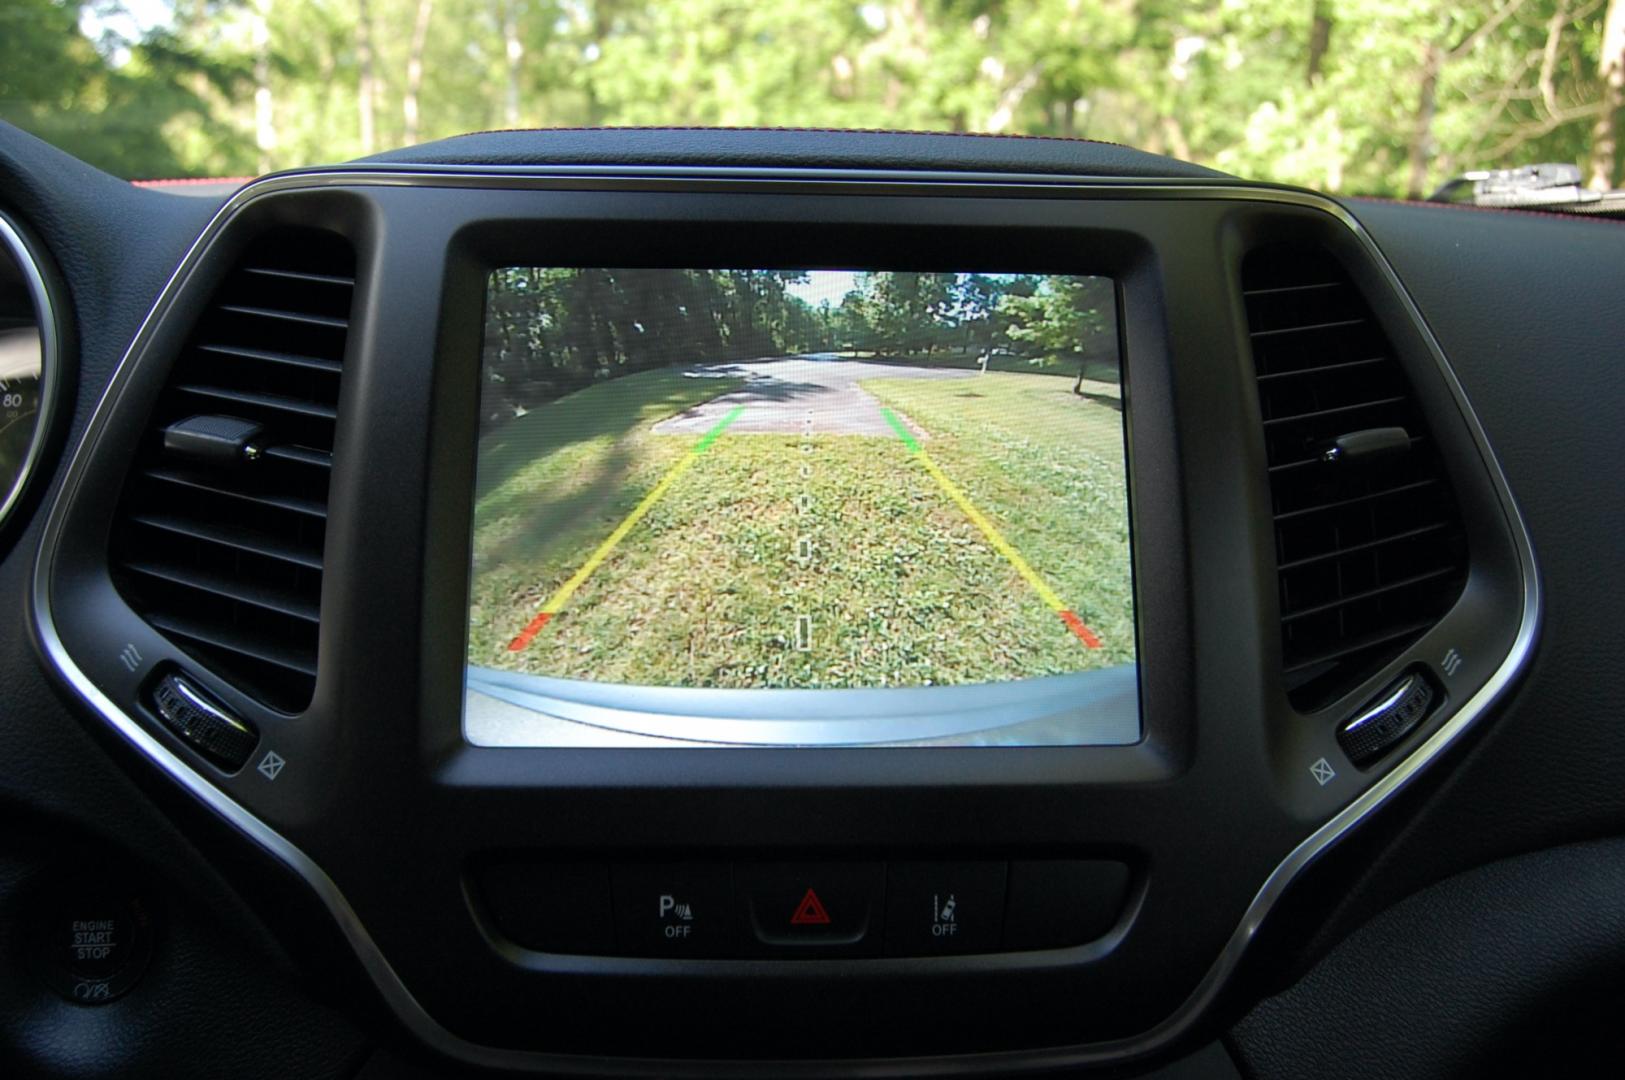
(721, 426)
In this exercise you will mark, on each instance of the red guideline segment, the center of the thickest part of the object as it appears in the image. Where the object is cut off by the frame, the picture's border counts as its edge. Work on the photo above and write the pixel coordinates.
(525, 636)
(1075, 624)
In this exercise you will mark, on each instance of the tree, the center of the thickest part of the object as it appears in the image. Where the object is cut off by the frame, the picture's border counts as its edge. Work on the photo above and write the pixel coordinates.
(367, 81)
(1065, 320)
(549, 332)
(414, 70)
(906, 310)
(64, 87)
(1372, 96)
(513, 52)
(264, 102)
(1611, 73)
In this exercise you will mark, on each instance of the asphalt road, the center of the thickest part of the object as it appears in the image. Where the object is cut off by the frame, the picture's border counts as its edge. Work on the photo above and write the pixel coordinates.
(813, 393)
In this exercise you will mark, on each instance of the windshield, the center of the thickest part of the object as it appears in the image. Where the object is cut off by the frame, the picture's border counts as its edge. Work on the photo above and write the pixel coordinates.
(1382, 97)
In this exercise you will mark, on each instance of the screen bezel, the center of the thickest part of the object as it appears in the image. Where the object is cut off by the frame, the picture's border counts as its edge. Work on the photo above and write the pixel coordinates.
(944, 234)
(656, 706)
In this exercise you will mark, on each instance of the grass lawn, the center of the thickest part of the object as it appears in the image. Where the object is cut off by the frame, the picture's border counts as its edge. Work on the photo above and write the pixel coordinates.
(546, 477)
(1046, 465)
(899, 588)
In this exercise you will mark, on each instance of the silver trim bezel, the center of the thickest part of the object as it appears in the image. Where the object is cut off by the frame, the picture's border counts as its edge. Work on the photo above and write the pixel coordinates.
(393, 990)
(45, 316)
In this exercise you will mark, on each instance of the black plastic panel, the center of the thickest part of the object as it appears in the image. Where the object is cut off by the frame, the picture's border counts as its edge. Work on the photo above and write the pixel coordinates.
(67, 802)
(1525, 306)
(378, 790)
(1509, 969)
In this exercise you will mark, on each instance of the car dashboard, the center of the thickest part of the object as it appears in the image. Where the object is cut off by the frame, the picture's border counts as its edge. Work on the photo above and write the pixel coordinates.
(310, 738)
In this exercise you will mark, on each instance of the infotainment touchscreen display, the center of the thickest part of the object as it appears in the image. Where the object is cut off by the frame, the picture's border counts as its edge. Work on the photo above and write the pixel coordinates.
(800, 508)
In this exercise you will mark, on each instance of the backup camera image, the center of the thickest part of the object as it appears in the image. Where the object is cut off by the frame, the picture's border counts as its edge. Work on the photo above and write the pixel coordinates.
(800, 508)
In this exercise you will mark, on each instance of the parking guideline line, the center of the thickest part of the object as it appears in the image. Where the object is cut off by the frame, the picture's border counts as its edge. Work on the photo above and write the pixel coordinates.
(562, 594)
(994, 537)
(902, 432)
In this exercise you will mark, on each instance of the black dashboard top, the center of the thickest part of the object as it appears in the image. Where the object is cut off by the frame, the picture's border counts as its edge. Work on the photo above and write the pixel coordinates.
(794, 148)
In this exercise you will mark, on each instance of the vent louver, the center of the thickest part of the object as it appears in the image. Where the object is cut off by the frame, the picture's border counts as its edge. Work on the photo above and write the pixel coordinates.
(1369, 545)
(223, 554)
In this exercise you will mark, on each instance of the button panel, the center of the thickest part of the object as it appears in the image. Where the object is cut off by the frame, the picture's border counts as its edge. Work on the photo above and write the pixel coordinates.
(804, 910)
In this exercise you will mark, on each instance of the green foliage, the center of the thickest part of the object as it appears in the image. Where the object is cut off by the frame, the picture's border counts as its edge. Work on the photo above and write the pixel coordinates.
(906, 312)
(1373, 96)
(551, 332)
(1064, 318)
(135, 118)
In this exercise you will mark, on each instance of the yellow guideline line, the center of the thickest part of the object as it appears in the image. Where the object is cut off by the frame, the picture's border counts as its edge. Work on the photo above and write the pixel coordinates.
(994, 537)
(562, 594)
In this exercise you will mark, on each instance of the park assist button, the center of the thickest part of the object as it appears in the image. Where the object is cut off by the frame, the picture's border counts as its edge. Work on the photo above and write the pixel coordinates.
(944, 908)
(674, 909)
(813, 909)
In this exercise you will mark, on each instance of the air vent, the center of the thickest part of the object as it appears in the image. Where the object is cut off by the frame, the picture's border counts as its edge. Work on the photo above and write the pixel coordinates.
(1369, 545)
(218, 538)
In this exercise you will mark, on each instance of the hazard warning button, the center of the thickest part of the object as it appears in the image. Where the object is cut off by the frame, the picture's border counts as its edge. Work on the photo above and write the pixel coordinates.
(810, 912)
(813, 909)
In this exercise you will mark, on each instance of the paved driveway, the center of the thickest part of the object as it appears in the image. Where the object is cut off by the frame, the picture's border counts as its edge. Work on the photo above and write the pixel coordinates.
(816, 393)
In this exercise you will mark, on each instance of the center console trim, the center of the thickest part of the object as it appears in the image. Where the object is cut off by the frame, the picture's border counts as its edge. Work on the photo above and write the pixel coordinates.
(389, 984)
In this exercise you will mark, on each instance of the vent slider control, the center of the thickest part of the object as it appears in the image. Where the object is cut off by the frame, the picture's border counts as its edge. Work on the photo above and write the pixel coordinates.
(1395, 715)
(1372, 444)
(215, 441)
(216, 734)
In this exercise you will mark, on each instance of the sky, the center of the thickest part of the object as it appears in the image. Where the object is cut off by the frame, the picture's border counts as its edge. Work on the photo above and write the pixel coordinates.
(831, 285)
(127, 20)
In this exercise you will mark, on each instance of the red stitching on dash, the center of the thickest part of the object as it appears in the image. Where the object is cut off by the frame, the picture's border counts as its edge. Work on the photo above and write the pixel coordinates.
(184, 181)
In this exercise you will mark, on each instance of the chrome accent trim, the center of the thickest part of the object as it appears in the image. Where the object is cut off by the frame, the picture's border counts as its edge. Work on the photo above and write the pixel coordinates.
(50, 345)
(209, 708)
(1383, 706)
(389, 984)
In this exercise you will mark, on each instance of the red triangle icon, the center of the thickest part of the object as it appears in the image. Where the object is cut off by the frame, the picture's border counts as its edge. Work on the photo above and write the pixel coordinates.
(810, 912)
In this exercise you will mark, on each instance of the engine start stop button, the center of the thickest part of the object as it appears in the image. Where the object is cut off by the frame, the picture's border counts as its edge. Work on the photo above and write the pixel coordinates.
(91, 940)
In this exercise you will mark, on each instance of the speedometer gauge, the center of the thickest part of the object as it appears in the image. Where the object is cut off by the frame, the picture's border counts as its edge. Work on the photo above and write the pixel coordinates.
(27, 364)
(20, 369)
